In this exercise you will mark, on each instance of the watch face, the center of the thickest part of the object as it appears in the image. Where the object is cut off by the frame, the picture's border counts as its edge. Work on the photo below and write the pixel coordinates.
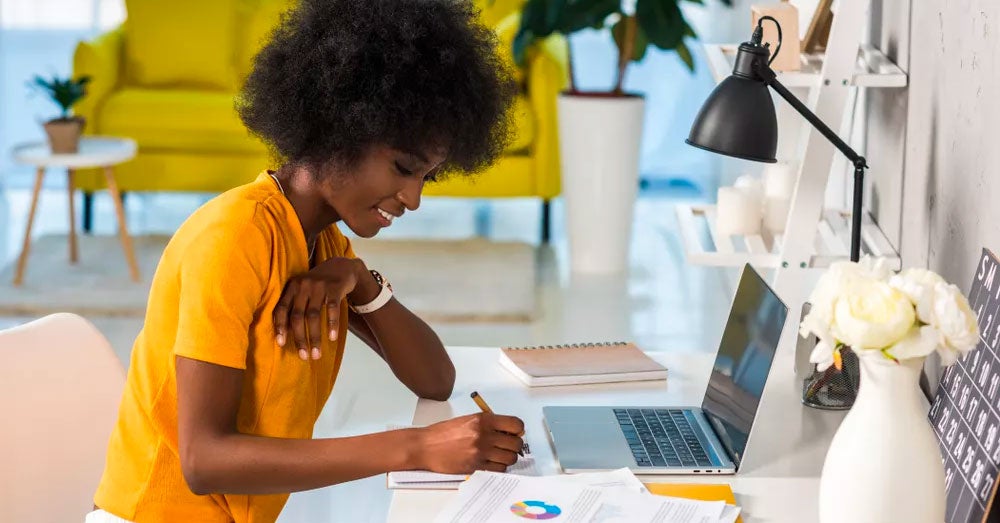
(380, 280)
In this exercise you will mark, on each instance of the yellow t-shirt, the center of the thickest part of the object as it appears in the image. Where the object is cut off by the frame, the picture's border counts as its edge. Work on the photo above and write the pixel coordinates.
(211, 300)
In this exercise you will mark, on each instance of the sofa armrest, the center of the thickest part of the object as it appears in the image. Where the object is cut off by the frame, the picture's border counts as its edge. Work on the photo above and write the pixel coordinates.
(101, 59)
(547, 76)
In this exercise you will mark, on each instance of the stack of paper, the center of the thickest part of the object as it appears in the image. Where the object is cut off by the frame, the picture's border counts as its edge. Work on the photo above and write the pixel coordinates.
(426, 480)
(608, 497)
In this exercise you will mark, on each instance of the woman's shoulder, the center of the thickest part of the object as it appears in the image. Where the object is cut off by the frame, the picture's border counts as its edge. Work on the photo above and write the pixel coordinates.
(249, 204)
(242, 215)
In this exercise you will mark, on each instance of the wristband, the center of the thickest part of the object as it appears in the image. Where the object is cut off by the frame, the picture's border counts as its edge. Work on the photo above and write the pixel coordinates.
(384, 295)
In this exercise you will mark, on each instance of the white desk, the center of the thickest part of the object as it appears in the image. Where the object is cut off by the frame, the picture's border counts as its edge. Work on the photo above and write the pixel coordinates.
(778, 483)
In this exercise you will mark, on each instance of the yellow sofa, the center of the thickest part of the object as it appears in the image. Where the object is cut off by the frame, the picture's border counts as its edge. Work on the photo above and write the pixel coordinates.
(168, 81)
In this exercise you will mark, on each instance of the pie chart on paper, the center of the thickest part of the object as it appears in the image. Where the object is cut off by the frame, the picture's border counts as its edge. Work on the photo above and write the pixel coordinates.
(537, 510)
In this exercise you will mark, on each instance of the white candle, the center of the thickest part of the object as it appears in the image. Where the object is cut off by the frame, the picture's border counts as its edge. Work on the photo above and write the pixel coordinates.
(776, 214)
(779, 180)
(737, 212)
(751, 185)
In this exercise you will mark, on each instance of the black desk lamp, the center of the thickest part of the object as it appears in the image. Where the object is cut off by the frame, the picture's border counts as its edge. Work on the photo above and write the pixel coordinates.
(738, 118)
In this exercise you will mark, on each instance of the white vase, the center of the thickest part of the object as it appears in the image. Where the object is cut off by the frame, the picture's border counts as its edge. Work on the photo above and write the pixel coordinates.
(599, 138)
(884, 464)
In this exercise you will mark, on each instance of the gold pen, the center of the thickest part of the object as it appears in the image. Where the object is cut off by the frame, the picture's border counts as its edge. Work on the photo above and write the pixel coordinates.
(486, 408)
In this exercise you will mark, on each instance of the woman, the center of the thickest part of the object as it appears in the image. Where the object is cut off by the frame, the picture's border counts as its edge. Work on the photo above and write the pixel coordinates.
(365, 101)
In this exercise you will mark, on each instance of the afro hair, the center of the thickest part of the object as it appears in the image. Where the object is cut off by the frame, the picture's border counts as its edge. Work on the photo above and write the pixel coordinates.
(340, 76)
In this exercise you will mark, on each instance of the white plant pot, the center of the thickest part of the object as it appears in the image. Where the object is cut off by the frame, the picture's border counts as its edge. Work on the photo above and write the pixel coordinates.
(884, 463)
(599, 139)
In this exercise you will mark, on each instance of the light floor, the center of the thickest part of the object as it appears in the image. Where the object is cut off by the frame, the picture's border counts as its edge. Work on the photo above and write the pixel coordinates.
(663, 304)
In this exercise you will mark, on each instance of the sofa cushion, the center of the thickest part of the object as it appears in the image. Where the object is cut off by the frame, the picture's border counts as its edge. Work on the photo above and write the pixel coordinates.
(169, 119)
(205, 121)
(492, 11)
(180, 43)
(256, 20)
(506, 30)
(524, 125)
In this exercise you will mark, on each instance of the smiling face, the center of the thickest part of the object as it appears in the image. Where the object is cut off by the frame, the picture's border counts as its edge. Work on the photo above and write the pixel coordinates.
(384, 184)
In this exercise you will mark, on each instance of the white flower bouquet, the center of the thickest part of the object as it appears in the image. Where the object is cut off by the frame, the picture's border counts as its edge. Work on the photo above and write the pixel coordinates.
(864, 306)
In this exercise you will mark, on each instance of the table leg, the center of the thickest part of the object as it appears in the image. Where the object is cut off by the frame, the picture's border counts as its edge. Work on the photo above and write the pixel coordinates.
(23, 259)
(73, 252)
(109, 175)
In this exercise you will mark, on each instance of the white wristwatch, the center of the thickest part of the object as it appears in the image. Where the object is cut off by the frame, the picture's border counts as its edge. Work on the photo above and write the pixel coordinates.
(384, 295)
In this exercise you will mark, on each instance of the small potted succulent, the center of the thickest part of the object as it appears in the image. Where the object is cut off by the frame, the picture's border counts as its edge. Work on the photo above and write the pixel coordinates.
(63, 132)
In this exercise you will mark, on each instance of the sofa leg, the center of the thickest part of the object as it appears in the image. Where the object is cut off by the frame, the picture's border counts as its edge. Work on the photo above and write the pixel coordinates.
(546, 221)
(88, 212)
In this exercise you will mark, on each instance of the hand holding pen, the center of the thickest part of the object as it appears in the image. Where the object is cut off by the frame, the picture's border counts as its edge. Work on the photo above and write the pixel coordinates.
(483, 406)
(483, 441)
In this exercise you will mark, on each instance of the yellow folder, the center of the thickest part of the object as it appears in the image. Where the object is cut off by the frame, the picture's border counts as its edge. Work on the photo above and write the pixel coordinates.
(695, 491)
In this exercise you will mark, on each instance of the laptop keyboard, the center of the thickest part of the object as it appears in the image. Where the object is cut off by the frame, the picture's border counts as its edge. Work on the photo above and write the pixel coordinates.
(662, 438)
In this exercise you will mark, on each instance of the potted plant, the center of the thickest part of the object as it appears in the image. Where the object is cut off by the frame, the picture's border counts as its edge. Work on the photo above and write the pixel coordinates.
(600, 132)
(63, 132)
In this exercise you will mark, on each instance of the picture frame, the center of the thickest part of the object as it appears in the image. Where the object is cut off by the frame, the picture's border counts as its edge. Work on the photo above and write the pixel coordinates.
(818, 32)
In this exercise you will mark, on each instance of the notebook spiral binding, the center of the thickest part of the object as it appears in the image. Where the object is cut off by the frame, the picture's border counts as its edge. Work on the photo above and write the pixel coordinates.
(571, 345)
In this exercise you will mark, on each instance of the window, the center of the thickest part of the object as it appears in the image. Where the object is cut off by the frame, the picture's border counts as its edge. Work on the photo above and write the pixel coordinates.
(61, 14)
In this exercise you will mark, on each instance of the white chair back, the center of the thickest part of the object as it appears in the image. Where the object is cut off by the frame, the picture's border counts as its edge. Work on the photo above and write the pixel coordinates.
(60, 386)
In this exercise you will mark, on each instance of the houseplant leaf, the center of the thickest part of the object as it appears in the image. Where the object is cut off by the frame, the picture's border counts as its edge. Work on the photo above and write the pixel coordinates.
(662, 22)
(533, 26)
(554, 12)
(522, 40)
(685, 55)
(583, 14)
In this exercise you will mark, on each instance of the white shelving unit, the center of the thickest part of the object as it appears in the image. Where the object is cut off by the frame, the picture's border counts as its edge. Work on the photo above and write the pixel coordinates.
(872, 69)
(831, 243)
(813, 237)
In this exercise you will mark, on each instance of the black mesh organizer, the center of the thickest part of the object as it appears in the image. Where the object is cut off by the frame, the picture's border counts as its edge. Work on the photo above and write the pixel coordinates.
(831, 389)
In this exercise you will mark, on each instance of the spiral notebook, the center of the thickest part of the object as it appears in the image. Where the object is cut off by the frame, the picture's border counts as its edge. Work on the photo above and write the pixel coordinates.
(579, 363)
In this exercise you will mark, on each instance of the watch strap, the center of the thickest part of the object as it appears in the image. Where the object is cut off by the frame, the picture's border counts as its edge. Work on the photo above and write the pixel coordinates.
(384, 295)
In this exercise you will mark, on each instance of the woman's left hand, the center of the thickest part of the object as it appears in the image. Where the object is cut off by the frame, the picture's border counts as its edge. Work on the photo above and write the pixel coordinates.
(300, 307)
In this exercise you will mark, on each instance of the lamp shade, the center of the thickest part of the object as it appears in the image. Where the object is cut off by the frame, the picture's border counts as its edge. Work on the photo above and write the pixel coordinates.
(738, 120)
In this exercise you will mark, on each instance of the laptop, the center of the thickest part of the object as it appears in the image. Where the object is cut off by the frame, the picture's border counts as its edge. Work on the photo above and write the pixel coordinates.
(684, 440)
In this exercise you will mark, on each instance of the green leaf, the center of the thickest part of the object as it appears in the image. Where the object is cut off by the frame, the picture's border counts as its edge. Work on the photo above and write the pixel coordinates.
(554, 12)
(533, 26)
(689, 31)
(641, 42)
(685, 55)
(584, 14)
(533, 18)
(663, 22)
(65, 92)
(522, 41)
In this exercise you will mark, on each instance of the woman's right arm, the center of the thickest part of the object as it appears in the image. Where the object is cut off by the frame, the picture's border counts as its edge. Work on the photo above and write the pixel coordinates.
(216, 458)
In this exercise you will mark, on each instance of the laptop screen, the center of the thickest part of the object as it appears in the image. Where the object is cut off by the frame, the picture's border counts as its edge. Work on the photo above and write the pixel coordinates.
(743, 362)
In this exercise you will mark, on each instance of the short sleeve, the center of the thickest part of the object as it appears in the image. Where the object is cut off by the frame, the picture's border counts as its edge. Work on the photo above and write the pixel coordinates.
(223, 278)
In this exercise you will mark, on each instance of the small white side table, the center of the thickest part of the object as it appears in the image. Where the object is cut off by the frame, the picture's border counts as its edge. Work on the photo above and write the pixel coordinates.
(94, 152)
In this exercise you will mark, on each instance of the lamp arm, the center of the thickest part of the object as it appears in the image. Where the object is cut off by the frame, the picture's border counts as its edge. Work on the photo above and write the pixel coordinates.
(771, 79)
(860, 164)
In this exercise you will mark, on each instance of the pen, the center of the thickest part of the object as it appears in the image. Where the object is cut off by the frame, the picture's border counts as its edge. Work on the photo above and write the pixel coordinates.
(486, 408)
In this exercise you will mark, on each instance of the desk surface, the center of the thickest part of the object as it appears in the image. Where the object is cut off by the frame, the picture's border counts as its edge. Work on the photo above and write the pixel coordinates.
(779, 484)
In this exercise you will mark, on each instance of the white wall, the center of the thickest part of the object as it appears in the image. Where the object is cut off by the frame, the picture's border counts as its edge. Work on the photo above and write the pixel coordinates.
(935, 147)
(949, 193)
